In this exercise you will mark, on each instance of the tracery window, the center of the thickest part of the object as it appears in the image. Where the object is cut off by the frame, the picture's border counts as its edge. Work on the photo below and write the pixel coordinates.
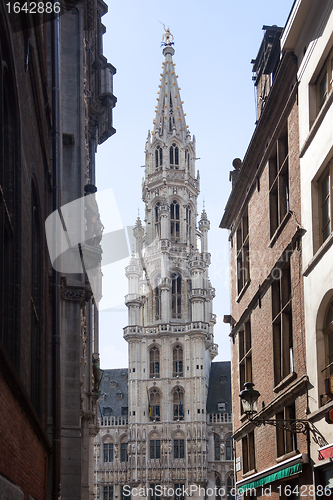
(157, 221)
(154, 358)
(154, 405)
(175, 220)
(176, 297)
(177, 361)
(158, 157)
(174, 156)
(178, 404)
(188, 224)
(157, 298)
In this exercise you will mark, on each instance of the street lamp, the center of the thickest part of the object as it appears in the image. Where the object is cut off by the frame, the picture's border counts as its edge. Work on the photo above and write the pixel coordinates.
(249, 398)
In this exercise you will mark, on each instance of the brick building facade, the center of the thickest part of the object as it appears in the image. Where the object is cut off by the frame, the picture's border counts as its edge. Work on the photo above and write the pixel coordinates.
(264, 219)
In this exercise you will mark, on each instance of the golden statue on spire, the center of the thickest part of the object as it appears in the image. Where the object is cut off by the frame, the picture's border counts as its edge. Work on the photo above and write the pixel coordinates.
(167, 38)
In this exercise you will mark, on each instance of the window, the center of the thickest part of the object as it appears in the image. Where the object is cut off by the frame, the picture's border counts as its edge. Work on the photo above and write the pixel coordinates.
(230, 487)
(325, 202)
(155, 448)
(188, 224)
(217, 447)
(154, 405)
(278, 182)
(124, 494)
(177, 361)
(248, 452)
(328, 332)
(154, 357)
(282, 324)
(124, 411)
(108, 452)
(174, 220)
(324, 81)
(154, 492)
(218, 486)
(176, 295)
(157, 298)
(108, 492)
(228, 448)
(245, 355)
(187, 158)
(285, 440)
(174, 156)
(178, 402)
(179, 490)
(157, 221)
(178, 448)
(107, 411)
(158, 157)
(123, 452)
(243, 258)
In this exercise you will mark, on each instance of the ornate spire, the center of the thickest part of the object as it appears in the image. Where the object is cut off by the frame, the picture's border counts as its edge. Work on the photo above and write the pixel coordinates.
(170, 117)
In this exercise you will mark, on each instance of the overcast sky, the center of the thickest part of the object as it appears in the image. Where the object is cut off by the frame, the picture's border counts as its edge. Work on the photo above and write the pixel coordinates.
(215, 41)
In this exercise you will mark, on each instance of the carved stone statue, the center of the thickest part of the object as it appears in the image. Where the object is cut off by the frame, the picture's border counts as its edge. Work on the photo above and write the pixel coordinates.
(98, 375)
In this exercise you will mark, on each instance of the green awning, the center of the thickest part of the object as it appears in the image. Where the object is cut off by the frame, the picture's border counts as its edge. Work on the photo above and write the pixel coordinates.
(288, 471)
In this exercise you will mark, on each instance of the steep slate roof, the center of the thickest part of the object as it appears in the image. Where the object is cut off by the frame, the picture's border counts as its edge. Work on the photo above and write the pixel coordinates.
(109, 397)
(219, 386)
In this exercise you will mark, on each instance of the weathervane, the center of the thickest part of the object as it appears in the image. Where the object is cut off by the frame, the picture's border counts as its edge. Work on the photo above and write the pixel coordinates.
(167, 38)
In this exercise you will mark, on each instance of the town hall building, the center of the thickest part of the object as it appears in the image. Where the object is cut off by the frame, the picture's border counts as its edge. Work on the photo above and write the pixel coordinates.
(166, 420)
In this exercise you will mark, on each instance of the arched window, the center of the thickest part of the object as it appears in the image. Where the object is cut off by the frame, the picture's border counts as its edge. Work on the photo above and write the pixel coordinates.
(230, 487)
(187, 158)
(108, 451)
(177, 361)
(328, 332)
(174, 156)
(175, 220)
(218, 486)
(154, 405)
(154, 362)
(157, 221)
(176, 295)
(178, 404)
(228, 448)
(158, 157)
(188, 224)
(217, 447)
(157, 298)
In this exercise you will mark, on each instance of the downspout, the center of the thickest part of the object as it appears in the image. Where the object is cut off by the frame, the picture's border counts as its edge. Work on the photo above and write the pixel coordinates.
(56, 395)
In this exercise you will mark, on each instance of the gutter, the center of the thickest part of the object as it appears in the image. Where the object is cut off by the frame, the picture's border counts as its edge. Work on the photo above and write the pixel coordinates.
(56, 394)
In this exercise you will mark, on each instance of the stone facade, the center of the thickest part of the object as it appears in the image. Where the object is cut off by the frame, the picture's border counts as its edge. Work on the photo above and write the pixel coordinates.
(169, 435)
(56, 106)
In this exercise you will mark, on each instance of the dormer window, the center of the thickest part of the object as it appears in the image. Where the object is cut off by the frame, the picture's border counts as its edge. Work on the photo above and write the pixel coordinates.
(174, 156)
(158, 157)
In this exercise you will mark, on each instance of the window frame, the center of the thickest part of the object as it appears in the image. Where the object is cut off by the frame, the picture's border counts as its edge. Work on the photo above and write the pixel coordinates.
(107, 491)
(179, 448)
(158, 157)
(155, 449)
(174, 156)
(155, 404)
(154, 362)
(328, 171)
(217, 447)
(245, 355)
(243, 253)
(286, 441)
(174, 220)
(176, 295)
(248, 453)
(178, 403)
(326, 72)
(108, 452)
(278, 172)
(124, 451)
(178, 361)
(282, 324)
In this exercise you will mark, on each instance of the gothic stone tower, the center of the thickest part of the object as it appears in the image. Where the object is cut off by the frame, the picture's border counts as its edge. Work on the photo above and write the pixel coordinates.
(170, 320)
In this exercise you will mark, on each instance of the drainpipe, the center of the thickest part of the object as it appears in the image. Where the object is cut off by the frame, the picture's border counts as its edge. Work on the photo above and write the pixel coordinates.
(56, 395)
